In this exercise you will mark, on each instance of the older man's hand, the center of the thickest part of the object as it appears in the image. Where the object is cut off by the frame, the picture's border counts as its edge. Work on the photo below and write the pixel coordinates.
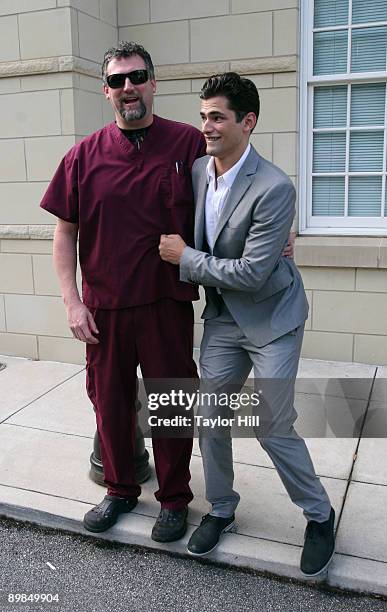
(171, 248)
(289, 249)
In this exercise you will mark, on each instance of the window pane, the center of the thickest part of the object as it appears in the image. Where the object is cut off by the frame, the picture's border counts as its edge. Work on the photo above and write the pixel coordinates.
(365, 196)
(330, 13)
(366, 151)
(368, 104)
(369, 49)
(329, 152)
(330, 107)
(330, 52)
(370, 10)
(328, 196)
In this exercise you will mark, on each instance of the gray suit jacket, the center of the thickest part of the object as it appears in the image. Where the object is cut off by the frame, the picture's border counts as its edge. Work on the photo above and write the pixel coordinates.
(262, 289)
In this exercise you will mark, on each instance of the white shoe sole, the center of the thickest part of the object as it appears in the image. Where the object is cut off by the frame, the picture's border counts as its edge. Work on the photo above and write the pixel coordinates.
(231, 527)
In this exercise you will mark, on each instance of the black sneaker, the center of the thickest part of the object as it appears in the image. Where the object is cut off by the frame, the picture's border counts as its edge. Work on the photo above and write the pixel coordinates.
(104, 515)
(206, 537)
(319, 546)
(170, 525)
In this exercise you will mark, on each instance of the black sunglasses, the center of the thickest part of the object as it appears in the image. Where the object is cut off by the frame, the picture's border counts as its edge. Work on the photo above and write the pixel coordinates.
(136, 77)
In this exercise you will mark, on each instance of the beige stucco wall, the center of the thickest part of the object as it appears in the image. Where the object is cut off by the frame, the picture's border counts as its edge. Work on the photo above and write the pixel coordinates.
(346, 283)
(347, 320)
(50, 96)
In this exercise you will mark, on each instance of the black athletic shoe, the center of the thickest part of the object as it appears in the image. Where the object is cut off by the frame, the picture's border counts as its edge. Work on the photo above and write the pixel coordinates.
(170, 525)
(206, 537)
(319, 546)
(104, 515)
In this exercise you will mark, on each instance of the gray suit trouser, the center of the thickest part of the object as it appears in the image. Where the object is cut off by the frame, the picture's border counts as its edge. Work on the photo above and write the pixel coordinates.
(226, 355)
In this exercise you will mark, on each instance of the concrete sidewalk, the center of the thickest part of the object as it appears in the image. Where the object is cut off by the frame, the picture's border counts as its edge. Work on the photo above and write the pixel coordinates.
(46, 430)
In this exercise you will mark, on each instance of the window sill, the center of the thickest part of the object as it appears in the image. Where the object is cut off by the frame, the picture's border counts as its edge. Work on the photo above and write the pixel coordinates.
(341, 251)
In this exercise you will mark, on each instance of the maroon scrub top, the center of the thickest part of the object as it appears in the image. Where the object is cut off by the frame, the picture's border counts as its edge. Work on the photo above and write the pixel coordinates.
(123, 199)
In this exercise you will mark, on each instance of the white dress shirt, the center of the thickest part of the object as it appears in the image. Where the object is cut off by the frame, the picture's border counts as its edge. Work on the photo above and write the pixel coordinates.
(217, 192)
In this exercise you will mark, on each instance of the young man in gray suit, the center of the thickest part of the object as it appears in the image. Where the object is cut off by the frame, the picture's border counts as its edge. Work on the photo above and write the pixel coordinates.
(255, 308)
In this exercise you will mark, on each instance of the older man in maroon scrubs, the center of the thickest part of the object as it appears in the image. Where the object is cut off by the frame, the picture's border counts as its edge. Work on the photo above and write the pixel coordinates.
(119, 189)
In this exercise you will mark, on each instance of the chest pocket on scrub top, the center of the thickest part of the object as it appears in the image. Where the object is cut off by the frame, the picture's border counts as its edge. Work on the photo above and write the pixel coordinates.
(176, 185)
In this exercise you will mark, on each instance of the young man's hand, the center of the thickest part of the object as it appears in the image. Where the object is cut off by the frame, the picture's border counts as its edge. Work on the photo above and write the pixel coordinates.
(171, 248)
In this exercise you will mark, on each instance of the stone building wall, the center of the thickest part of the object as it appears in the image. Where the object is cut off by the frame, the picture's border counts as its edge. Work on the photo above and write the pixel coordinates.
(50, 97)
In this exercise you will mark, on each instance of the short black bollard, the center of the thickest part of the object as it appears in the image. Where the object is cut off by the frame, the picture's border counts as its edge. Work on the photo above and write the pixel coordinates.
(141, 456)
(141, 460)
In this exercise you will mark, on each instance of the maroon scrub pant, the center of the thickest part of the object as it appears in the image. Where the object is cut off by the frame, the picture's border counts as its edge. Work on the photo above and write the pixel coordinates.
(159, 337)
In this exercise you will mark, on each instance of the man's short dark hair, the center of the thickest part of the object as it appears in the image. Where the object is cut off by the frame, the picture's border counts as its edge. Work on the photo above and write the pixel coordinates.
(127, 49)
(241, 93)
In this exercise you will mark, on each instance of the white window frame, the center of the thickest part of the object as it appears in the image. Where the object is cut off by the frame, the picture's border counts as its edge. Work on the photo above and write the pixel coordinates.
(326, 225)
